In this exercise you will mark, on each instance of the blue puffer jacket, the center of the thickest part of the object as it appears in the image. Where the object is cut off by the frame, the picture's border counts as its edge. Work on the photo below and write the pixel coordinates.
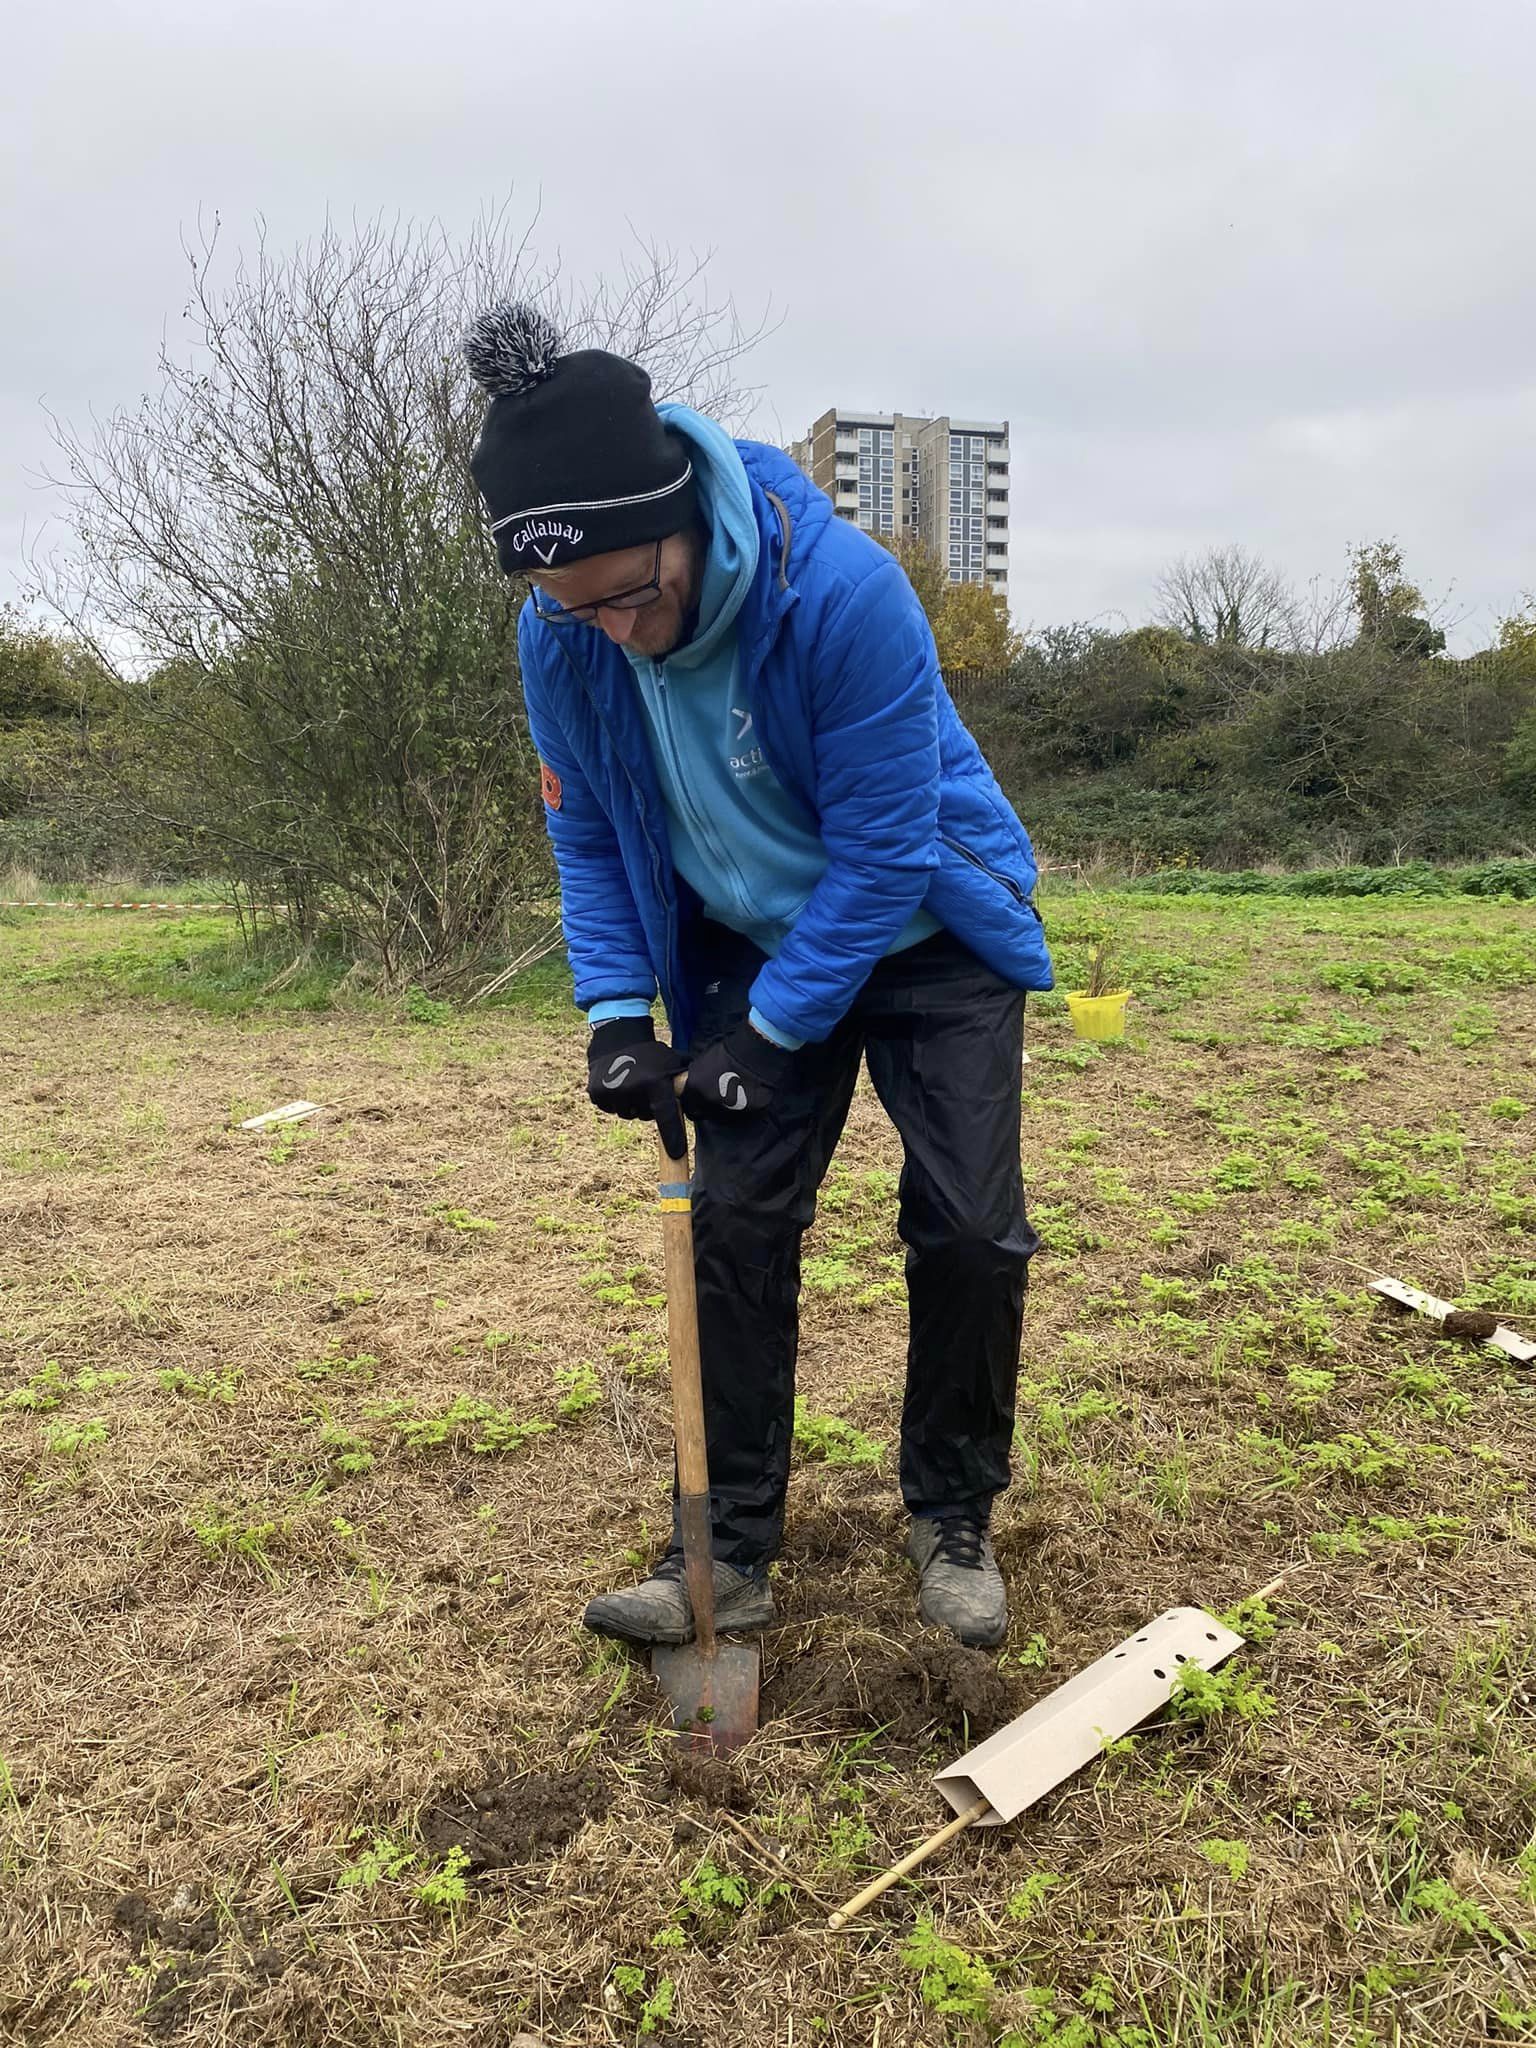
(842, 680)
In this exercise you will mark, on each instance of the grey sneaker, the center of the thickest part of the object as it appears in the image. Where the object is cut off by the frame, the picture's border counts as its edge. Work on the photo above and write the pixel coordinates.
(960, 1586)
(658, 1610)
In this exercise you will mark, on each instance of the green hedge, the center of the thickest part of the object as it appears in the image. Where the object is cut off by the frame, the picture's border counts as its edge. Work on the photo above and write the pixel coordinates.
(1515, 878)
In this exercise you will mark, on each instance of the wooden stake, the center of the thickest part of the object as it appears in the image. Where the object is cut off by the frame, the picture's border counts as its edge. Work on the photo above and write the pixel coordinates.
(908, 1862)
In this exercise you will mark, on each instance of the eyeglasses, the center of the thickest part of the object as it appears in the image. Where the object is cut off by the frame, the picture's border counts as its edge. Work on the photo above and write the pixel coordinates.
(633, 600)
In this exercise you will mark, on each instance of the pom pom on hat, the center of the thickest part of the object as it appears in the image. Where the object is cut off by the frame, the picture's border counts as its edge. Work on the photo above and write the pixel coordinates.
(511, 347)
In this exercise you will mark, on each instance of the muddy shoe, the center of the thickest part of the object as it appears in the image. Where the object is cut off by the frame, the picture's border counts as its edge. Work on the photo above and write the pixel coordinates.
(658, 1610)
(960, 1587)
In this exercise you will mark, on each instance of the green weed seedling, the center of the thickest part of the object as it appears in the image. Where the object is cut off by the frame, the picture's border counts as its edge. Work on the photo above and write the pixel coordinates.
(1174, 1294)
(1253, 1618)
(1173, 1486)
(462, 1221)
(420, 1008)
(1226, 1855)
(42, 1393)
(1032, 1895)
(1205, 1696)
(949, 1979)
(488, 1428)
(1077, 1057)
(829, 1440)
(830, 1274)
(74, 1439)
(629, 1983)
(1438, 1899)
(1062, 1232)
(381, 1862)
(445, 1889)
(1370, 1459)
(1508, 1109)
(847, 1840)
(348, 1454)
(232, 1536)
(213, 1386)
(715, 1894)
(1474, 1026)
(1424, 1386)
(1448, 1532)
(336, 1364)
(1239, 1173)
(580, 1389)
(92, 1379)
(1309, 1385)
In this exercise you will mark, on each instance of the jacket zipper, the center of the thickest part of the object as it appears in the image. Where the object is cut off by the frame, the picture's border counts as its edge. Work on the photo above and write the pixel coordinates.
(655, 852)
(1002, 881)
(703, 829)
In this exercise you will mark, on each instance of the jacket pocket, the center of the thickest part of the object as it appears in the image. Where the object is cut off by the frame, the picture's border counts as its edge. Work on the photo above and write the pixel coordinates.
(1003, 881)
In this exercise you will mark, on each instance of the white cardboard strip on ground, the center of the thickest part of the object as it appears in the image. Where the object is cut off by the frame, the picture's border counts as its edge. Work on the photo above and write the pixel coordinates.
(290, 1113)
(1510, 1342)
(1069, 1727)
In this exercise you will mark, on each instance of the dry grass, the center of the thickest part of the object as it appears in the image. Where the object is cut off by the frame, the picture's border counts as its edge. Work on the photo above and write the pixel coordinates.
(276, 1634)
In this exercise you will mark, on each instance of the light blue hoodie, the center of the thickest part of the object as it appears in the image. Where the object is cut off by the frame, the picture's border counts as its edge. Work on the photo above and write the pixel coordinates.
(738, 838)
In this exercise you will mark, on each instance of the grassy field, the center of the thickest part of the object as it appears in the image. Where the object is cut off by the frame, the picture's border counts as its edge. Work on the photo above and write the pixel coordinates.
(314, 1442)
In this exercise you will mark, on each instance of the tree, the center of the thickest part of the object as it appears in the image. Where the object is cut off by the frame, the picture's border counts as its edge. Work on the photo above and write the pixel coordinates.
(970, 623)
(287, 542)
(925, 572)
(1226, 597)
(1390, 609)
(1517, 640)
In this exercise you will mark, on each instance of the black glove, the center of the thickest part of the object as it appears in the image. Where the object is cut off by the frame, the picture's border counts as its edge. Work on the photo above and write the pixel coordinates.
(735, 1078)
(630, 1073)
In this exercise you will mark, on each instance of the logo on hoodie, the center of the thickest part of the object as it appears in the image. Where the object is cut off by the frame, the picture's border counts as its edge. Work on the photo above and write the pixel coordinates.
(749, 762)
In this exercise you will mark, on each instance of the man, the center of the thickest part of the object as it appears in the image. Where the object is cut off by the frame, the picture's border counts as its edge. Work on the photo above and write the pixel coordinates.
(764, 805)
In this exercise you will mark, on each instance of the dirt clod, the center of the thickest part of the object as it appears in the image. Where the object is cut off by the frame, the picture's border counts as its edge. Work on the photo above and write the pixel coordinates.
(507, 1820)
(1470, 1325)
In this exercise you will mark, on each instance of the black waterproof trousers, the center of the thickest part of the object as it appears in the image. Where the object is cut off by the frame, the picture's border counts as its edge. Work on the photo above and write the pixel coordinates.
(943, 1038)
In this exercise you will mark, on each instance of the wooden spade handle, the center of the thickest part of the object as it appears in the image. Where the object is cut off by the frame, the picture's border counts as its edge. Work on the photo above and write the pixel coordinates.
(676, 1204)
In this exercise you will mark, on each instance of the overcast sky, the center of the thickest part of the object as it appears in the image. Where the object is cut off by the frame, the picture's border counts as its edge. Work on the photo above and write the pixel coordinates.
(1233, 271)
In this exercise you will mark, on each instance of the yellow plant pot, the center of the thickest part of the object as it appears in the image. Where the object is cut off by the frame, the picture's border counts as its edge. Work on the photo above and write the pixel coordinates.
(1099, 1017)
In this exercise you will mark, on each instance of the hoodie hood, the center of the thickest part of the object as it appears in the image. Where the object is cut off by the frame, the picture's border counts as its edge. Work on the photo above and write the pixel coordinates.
(725, 505)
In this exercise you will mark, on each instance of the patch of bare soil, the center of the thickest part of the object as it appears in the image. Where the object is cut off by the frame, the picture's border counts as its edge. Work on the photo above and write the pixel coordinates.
(913, 1692)
(506, 1820)
(185, 1942)
(712, 1780)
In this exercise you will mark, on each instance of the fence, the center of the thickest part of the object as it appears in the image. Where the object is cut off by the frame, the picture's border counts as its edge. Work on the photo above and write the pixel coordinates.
(975, 688)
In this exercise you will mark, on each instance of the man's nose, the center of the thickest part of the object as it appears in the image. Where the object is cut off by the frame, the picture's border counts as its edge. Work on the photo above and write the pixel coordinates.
(618, 625)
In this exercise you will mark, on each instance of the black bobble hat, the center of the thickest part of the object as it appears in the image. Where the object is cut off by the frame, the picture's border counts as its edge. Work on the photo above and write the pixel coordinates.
(572, 459)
